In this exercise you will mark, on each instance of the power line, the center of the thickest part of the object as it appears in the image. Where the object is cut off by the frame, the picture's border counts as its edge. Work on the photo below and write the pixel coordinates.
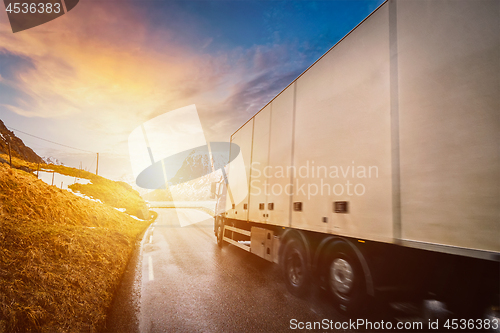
(60, 144)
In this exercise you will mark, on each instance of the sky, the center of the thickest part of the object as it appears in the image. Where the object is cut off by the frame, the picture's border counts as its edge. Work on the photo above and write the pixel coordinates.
(90, 77)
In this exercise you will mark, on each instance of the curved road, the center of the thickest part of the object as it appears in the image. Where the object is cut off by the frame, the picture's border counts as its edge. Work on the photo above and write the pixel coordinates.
(179, 280)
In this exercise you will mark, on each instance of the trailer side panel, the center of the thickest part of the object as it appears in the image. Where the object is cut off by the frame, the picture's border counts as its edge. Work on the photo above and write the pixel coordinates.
(449, 104)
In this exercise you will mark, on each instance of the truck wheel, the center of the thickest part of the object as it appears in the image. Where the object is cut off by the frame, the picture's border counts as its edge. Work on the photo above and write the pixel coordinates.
(346, 282)
(220, 232)
(295, 268)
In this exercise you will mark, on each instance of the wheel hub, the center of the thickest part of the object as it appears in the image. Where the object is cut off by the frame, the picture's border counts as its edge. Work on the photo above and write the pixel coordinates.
(341, 276)
(295, 269)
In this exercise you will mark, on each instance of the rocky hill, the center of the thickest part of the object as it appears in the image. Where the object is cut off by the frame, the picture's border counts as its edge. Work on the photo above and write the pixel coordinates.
(18, 148)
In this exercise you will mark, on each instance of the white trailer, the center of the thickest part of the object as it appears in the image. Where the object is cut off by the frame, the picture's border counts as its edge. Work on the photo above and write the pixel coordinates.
(378, 168)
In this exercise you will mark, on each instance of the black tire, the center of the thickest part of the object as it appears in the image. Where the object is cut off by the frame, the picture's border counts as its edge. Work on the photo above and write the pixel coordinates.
(295, 268)
(220, 232)
(345, 279)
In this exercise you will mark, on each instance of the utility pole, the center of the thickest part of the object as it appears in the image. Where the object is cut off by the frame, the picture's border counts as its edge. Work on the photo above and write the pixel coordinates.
(37, 169)
(97, 165)
(53, 172)
(10, 155)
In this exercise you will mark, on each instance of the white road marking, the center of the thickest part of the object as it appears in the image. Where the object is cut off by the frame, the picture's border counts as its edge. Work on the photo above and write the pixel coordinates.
(150, 264)
(150, 239)
(152, 229)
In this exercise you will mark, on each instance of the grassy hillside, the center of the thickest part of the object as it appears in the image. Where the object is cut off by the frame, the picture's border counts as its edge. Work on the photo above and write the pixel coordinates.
(61, 256)
(113, 193)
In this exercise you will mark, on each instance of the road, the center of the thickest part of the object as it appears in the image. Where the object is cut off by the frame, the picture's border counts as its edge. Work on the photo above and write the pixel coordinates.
(179, 280)
(188, 284)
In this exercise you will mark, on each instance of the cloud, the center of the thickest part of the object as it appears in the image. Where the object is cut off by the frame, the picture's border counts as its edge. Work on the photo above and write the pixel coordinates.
(101, 70)
(248, 97)
(263, 71)
(112, 72)
(22, 97)
(12, 68)
(12, 65)
(109, 72)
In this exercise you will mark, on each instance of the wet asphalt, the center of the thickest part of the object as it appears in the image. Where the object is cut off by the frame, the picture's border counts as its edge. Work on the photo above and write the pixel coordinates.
(179, 280)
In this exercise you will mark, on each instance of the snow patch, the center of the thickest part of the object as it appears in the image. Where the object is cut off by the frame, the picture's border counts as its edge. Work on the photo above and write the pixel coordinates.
(60, 180)
(81, 195)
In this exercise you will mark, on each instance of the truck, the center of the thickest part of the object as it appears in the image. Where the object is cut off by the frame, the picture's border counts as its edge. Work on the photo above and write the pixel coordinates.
(376, 172)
